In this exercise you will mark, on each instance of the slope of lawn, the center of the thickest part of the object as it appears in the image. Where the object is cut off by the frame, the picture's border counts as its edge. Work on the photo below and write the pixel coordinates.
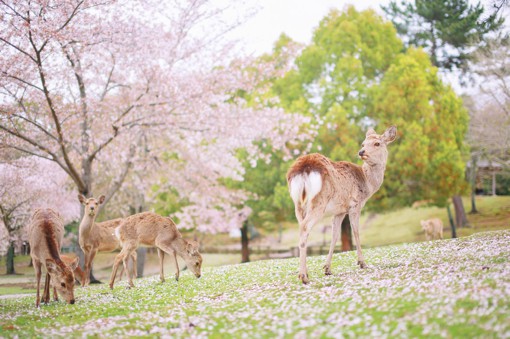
(403, 225)
(394, 227)
(451, 288)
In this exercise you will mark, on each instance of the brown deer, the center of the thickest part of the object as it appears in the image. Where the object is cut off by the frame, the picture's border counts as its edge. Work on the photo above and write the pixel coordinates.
(152, 230)
(97, 237)
(320, 187)
(433, 228)
(79, 274)
(46, 231)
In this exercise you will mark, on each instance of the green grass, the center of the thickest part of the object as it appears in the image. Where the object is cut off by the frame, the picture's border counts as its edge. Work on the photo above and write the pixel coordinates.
(451, 288)
(404, 225)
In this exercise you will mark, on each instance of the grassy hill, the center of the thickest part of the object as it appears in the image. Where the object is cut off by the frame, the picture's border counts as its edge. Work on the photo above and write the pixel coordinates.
(403, 225)
(450, 288)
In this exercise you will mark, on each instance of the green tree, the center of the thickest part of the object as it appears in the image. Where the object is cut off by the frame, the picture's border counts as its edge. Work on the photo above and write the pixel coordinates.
(449, 30)
(349, 52)
(428, 161)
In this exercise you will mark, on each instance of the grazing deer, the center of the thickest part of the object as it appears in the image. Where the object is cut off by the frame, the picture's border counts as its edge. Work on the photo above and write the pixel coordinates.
(433, 228)
(320, 187)
(97, 237)
(79, 274)
(46, 231)
(152, 230)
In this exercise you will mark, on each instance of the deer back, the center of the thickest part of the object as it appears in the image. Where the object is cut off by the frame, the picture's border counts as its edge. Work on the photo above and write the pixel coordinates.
(145, 227)
(46, 231)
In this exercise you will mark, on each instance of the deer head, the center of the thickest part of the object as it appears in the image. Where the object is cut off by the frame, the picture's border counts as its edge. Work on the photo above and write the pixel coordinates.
(424, 224)
(91, 204)
(62, 278)
(373, 151)
(192, 258)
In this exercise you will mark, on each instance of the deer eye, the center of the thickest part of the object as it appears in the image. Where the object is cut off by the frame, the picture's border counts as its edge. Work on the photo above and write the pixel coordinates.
(196, 264)
(63, 284)
(377, 144)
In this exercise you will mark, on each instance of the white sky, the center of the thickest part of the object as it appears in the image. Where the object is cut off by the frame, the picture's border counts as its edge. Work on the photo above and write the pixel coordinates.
(296, 18)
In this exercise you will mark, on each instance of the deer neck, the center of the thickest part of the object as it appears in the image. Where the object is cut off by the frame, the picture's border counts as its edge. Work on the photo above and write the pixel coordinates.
(86, 225)
(375, 175)
(179, 245)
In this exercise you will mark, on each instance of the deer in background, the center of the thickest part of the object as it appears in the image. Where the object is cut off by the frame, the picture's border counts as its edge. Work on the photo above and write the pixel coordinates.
(433, 228)
(320, 187)
(45, 233)
(97, 237)
(152, 230)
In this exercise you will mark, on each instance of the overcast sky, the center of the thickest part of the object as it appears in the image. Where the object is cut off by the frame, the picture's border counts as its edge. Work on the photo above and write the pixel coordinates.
(296, 18)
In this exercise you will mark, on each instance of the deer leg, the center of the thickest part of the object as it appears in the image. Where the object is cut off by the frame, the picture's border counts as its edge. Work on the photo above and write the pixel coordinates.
(92, 255)
(176, 267)
(46, 292)
(55, 295)
(86, 268)
(37, 267)
(128, 273)
(354, 218)
(118, 259)
(335, 234)
(161, 255)
(304, 230)
(134, 260)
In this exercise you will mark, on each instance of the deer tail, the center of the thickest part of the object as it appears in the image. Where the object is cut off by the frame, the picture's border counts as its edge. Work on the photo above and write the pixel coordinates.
(304, 187)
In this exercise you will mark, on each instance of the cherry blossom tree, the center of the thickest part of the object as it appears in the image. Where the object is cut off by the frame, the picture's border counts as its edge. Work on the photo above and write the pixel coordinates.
(99, 86)
(27, 184)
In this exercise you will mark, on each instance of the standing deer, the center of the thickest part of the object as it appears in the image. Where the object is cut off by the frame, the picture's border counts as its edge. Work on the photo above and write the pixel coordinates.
(97, 237)
(152, 230)
(46, 231)
(320, 187)
(433, 228)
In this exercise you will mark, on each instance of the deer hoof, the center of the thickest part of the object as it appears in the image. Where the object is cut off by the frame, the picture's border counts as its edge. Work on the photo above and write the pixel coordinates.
(327, 270)
(362, 264)
(304, 278)
(176, 277)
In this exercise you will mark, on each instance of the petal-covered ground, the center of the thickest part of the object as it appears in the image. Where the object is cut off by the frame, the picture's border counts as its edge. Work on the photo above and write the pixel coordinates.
(451, 288)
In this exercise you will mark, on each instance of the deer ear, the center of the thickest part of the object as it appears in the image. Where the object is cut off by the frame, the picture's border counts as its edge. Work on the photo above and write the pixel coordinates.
(74, 264)
(192, 247)
(390, 134)
(51, 266)
(82, 199)
(370, 132)
(101, 199)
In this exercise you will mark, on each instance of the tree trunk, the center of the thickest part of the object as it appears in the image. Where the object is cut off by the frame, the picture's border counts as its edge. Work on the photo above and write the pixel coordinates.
(474, 166)
(460, 212)
(140, 262)
(452, 224)
(346, 235)
(9, 261)
(245, 250)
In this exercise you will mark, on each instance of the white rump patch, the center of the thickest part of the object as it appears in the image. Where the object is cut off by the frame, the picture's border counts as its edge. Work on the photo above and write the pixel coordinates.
(310, 183)
(297, 185)
(313, 185)
(117, 232)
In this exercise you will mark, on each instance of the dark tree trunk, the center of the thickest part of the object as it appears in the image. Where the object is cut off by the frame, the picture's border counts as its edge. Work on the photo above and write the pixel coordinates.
(9, 261)
(245, 250)
(346, 235)
(452, 224)
(460, 212)
(140, 262)
(472, 173)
